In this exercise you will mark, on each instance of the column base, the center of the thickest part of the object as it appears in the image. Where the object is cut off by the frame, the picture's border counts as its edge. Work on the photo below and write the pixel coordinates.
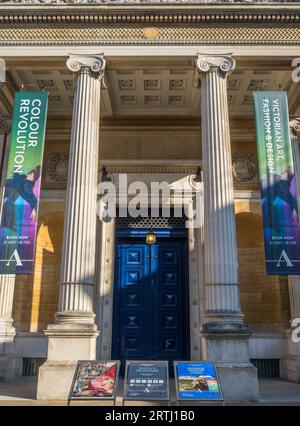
(67, 343)
(228, 345)
(290, 365)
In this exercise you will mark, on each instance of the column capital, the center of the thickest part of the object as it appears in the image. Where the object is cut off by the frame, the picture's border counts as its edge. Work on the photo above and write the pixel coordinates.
(94, 63)
(295, 125)
(2, 72)
(224, 64)
(5, 123)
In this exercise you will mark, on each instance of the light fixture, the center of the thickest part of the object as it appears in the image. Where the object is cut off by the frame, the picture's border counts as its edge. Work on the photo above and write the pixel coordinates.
(150, 238)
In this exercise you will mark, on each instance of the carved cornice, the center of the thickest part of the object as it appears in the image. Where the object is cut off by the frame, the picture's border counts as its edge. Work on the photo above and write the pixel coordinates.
(147, 12)
(133, 22)
(138, 2)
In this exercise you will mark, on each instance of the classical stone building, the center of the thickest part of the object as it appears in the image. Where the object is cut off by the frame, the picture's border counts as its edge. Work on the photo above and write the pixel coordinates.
(157, 90)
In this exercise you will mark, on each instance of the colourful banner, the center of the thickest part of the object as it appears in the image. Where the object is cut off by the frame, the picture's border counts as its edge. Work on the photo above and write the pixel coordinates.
(23, 182)
(277, 183)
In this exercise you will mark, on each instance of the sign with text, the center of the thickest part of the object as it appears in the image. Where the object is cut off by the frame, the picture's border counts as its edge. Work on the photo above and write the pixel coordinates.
(277, 183)
(146, 380)
(18, 224)
(95, 380)
(197, 380)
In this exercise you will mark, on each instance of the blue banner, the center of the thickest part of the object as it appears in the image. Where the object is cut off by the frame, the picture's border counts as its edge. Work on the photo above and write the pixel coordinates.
(277, 183)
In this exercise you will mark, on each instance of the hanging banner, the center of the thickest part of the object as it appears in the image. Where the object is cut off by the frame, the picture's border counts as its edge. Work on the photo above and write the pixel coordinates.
(277, 183)
(23, 181)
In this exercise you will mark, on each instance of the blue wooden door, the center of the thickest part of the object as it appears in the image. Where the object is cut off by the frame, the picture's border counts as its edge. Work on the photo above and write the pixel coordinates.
(150, 318)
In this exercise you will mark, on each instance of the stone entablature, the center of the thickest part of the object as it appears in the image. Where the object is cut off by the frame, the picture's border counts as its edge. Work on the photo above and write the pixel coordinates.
(109, 22)
(143, 1)
(107, 35)
(139, 2)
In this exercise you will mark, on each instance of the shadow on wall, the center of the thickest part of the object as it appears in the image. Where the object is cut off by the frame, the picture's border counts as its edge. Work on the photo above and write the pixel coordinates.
(264, 299)
(36, 296)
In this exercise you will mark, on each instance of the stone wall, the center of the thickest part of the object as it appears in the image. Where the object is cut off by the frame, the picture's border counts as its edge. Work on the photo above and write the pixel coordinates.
(36, 296)
(264, 299)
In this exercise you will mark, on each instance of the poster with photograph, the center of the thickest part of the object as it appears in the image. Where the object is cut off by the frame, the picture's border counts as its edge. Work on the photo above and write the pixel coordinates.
(197, 380)
(278, 184)
(146, 380)
(95, 380)
(22, 187)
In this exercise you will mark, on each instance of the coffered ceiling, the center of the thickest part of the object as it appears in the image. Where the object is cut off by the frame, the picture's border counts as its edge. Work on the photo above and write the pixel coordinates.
(151, 91)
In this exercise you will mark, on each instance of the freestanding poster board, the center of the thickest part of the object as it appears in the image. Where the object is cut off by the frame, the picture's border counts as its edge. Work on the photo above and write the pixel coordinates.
(146, 380)
(196, 380)
(95, 380)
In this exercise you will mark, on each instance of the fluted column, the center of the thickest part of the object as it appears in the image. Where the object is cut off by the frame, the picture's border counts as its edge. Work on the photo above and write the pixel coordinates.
(2, 72)
(225, 338)
(290, 365)
(294, 281)
(224, 335)
(7, 282)
(73, 337)
(221, 264)
(79, 241)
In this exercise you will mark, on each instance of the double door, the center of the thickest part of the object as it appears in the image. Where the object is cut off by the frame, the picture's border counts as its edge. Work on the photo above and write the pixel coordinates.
(150, 318)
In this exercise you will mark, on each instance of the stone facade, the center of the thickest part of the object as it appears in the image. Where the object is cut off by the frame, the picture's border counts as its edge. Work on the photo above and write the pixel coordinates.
(148, 71)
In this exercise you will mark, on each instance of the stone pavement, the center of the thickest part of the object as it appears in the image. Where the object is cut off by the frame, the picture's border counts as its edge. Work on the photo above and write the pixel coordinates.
(22, 391)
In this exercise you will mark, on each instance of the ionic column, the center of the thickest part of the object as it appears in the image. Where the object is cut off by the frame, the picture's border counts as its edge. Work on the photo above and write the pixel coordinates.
(76, 300)
(2, 72)
(3, 121)
(291, 364)
(221, 264)
(7, 282)
(224, 335)
(294, 281)
(73, 337)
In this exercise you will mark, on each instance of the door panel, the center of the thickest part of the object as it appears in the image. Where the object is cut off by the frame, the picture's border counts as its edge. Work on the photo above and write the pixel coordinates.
(150, 318)
(171, 329)
(133, 292)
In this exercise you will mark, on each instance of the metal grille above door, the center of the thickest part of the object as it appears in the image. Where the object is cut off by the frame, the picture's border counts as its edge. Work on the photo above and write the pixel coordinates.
(151, 222)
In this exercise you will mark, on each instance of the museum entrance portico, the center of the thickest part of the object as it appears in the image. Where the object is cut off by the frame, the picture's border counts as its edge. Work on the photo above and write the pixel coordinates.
(155, 119)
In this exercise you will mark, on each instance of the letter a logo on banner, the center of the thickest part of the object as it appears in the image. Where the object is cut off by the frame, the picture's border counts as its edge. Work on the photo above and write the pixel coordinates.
(16, 258)
(18, 224)
(286, 259)
(277, 183)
